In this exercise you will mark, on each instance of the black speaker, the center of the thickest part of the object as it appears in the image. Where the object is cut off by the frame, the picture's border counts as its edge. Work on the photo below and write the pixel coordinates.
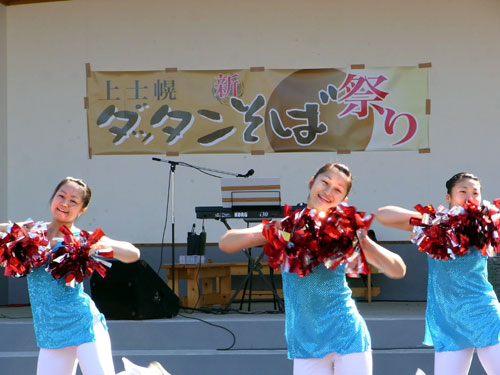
(133, 291)
(196, 242)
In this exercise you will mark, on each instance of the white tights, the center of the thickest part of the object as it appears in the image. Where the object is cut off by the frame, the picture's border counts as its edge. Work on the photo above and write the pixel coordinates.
(335, 364)
(95, 358)
(458, 362)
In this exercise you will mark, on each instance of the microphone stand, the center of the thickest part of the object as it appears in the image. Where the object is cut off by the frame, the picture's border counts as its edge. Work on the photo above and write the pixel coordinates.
(172, 190)
(173, 165)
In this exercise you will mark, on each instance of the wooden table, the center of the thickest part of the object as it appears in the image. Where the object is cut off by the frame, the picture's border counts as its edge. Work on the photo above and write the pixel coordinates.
(367, 291)
(215, 280)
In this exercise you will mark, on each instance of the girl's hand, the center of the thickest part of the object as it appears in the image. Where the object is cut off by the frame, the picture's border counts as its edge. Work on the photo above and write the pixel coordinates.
(362, 234)
(26, 225)
(474, 201)
(274, 223)
(100, 250)
(94, 249)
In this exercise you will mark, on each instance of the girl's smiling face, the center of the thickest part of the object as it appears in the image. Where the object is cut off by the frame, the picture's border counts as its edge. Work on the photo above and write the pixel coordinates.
(464, 190)
(327, 190)
(67, 203)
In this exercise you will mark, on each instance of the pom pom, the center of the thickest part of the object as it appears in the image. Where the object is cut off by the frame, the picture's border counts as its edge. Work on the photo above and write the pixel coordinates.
(305, 238)
(447, 234)
(339, 242)
(482, 226)
(21, 249)
(292, 241)
(73, 262)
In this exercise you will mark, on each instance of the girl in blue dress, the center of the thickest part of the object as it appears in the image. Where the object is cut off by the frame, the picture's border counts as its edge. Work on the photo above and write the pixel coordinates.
(463, 313)
(69, 329)
(324, 331)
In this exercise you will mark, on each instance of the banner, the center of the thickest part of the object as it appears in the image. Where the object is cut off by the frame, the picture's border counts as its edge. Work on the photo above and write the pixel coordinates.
(257, 110)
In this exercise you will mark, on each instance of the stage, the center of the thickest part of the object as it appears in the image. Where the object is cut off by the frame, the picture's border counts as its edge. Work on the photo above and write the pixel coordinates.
(196, 343)
(186, 345)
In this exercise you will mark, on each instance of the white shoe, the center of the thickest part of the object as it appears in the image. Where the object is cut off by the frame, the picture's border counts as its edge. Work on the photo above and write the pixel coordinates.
(154, 368)
(158, 368)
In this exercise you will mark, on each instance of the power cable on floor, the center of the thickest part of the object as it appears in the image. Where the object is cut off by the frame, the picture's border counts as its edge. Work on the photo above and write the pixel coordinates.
(214, 325)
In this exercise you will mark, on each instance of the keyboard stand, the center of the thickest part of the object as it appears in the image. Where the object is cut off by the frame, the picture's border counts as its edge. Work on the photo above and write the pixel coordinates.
(254, 265)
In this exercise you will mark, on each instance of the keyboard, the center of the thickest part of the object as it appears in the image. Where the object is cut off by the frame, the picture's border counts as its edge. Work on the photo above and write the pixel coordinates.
(244, 212)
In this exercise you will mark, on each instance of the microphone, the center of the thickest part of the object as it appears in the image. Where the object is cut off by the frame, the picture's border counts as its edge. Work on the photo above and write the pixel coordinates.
(248, 174)
(173, 164)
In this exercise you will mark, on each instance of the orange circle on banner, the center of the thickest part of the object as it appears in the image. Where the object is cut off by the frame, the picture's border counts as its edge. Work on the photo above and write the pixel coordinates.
(303, 86)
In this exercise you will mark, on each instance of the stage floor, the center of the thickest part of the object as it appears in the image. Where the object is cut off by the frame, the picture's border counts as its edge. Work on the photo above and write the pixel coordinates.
(373, 310)
(243, 342)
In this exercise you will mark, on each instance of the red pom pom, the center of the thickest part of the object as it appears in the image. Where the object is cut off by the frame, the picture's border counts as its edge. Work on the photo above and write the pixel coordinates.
(21, 249)
(481, 226)
(72, 260)
(338, 239)
(292, 241)
(446, 234)
(305, 239)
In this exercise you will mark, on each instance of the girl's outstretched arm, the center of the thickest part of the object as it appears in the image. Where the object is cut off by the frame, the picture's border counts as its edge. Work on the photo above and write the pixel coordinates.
(238, 239)
(388, 262)
(396, 217)
(122, 250)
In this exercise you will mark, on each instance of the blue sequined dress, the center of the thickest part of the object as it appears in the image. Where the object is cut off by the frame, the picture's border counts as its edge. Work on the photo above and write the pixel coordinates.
(462, 308)
(62, 315)
(321, 316)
